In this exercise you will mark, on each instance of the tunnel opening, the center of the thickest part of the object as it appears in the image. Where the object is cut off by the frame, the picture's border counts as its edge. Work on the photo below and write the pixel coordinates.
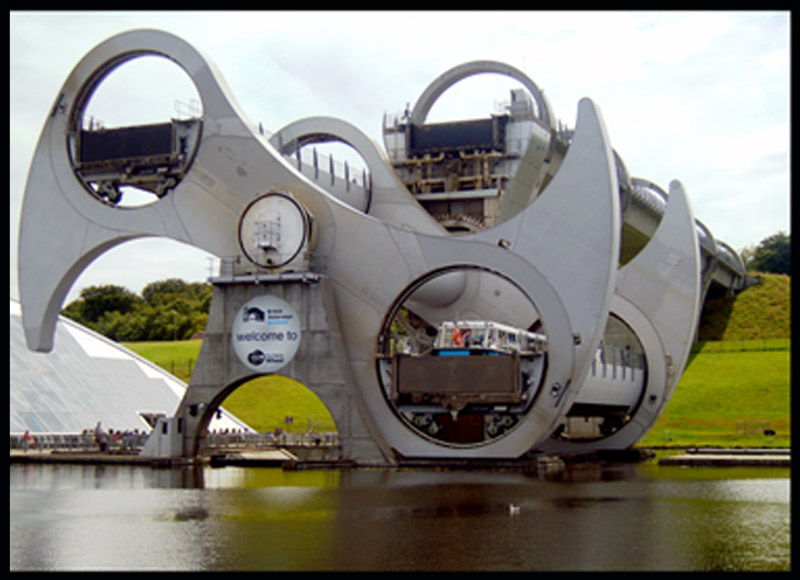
(613, 390)
(280, 412)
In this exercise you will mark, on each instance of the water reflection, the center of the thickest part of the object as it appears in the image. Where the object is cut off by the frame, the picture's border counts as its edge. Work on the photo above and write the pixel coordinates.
(595, 517)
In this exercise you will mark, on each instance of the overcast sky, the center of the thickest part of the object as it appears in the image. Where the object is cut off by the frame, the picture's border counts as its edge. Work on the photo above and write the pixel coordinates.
(698, 96)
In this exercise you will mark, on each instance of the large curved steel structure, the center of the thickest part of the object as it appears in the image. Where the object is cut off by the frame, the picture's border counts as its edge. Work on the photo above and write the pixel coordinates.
(544, 280)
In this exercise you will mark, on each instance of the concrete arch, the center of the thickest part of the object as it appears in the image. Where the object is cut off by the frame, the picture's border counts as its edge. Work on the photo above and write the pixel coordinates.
(657, 295)
(207, 411)
(330, 129)
(56, 200)
(468, 69)
(387, 199)
(198, 434)
(322, 129)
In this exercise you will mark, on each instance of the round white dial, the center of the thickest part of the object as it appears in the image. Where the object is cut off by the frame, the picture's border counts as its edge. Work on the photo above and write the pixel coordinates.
(273, 230)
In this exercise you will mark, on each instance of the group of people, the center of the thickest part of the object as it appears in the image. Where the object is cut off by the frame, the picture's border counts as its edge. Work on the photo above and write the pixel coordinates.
(462, 337)
(127, 440)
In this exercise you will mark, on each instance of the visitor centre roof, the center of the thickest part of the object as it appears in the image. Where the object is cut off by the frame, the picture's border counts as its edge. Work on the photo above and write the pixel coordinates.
(88, 378)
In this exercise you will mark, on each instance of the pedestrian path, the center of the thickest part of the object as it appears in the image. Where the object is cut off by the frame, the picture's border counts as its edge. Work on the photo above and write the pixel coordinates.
(731, 458)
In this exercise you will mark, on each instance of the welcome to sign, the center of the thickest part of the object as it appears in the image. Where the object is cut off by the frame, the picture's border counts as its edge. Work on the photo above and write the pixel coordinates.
(266, 334)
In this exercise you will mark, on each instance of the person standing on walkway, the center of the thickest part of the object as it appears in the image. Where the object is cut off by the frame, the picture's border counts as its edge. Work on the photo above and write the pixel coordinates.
(100, 437)
(28, 440)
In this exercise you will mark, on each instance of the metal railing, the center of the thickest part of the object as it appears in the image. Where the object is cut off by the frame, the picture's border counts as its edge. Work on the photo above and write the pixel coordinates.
(321, 165)
(656, 198)
(134, 442)
(246, 440)
(78, 443)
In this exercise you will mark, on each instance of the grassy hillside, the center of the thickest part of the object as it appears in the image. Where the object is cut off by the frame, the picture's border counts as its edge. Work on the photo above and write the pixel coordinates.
(759, 312)
(735, 386)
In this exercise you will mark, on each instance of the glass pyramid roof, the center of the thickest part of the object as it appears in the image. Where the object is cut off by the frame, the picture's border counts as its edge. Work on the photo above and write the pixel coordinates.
(87, 378)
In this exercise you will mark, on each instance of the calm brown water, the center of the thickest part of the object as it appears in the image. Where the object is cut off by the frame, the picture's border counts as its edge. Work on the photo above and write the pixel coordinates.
(619, 517)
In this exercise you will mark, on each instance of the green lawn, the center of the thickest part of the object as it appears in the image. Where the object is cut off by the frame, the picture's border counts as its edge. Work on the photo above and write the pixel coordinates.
(736, 384)
(263, 403)
(177, 357)
(728, 397)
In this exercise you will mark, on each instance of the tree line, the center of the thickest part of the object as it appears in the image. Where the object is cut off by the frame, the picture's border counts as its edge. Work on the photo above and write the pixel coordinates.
(773, 255)
(169, 309)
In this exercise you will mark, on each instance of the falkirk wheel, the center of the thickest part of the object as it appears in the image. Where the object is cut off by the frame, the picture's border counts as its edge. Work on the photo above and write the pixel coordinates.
(525, 335)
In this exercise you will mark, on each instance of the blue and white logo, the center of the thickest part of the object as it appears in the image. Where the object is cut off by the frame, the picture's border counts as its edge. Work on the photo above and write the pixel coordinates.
(266, 334)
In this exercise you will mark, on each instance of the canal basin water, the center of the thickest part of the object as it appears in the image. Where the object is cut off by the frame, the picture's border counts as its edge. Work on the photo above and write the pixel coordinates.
(622, 517)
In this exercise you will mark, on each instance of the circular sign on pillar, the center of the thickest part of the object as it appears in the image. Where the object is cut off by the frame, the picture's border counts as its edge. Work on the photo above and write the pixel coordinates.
(266, 333)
